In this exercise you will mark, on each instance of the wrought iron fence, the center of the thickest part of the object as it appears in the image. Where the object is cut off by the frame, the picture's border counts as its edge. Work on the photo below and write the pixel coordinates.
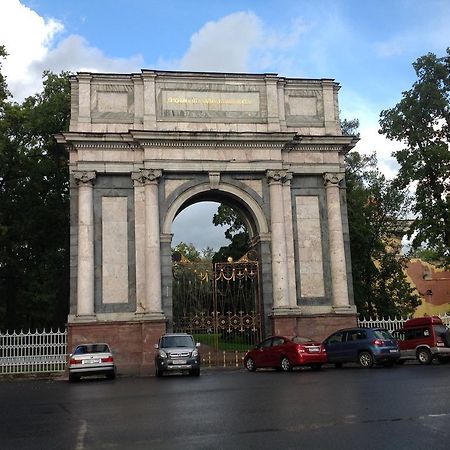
(392, 324)
(38, 352)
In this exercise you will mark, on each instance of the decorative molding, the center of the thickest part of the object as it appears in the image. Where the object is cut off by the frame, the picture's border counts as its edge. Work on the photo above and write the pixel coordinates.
(333, 179)
(212, 144)
(278, 176)
(84, 177)
(146, 176)
(103, 146)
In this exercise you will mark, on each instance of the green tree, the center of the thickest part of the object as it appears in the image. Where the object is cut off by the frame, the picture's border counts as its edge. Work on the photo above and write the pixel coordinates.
(421, 121)
(187, 251)
(375, 212)
(34, 208)
(236, 232)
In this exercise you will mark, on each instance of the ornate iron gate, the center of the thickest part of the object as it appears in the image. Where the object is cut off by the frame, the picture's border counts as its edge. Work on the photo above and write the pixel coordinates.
(219, 304)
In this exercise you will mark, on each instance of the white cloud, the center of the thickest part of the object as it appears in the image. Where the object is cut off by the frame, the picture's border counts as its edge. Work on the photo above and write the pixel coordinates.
(29, 41)
(373, 142)
(239, 42)
(224, 45)
(26, 36)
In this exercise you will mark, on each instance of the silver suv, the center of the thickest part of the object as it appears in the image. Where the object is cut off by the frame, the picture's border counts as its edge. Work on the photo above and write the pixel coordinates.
(177, 352)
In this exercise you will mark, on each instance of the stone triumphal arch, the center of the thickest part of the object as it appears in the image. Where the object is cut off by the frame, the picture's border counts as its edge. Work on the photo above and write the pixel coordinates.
(144, 146)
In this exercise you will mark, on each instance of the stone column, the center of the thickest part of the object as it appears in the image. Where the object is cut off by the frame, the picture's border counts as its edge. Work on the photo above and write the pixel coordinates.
(153, 304)
(289, 234)
(85, 272)
(280, 283)
(337, 253)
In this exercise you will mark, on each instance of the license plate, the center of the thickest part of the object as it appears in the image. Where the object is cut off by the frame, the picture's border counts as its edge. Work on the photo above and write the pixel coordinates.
(314, 349)
(393, 351)
(180, 361)
(91, 361)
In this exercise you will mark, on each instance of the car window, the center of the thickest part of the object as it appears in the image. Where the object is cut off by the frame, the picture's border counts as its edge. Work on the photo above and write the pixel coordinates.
(382, 334)
(301, 340)
(416, 333)
(266, 343)
(91, 348)
(356, 335)
(277, 341)
(399, 334)
(177, 341)
(440, 329)
(336, 338)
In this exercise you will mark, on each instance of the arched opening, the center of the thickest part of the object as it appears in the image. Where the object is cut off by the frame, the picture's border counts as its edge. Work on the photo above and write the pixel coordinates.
(216, 294)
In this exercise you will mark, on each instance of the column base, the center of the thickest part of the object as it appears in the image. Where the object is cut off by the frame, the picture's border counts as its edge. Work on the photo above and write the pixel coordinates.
(83, 318)
(286, 311)
(150, 316)
(347, 309)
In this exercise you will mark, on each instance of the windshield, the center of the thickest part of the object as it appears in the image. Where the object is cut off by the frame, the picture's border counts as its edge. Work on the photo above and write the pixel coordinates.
(177, 341)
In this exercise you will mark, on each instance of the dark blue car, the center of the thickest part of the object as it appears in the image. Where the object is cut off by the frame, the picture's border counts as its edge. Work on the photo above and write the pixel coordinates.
(366, 346)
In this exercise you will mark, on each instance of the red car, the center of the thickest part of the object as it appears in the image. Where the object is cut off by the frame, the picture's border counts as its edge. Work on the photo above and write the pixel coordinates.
(283, 353)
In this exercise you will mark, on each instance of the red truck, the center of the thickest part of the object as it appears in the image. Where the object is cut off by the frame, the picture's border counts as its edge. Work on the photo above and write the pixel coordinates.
(424, 339)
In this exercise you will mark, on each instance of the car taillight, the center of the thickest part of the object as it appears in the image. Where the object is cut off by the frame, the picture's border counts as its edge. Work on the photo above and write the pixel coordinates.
(377, 342)
(73, 361)
(108, 359)
(300, 349)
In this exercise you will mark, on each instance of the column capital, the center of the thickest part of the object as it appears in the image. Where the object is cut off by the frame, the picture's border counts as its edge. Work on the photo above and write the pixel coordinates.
(278, 176)
(84, 177)
(146, 176)
(332, 179)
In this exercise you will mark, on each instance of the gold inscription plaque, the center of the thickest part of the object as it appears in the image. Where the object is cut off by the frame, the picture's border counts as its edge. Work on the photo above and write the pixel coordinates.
(209, 101)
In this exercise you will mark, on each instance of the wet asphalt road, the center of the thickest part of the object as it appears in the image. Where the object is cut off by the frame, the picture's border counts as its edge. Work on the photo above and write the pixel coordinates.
(351, 408)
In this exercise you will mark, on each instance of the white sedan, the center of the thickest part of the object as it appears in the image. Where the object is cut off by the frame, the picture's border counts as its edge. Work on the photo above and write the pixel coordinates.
(91, 359)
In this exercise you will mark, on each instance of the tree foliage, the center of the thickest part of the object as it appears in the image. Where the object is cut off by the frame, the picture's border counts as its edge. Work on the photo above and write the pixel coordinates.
(375, 211)
(236, 232)
(421, 121)
(34, 207)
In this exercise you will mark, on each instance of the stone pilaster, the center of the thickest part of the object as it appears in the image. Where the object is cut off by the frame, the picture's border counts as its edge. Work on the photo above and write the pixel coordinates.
(289, 233)
(152, 304)
(280, 279)
(85, 272)
(337, 253)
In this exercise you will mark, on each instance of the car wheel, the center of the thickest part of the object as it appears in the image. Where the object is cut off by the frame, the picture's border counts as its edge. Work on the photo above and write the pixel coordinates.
(365, 359)
(443, 359)
(424, 356)
(73, 378)
(316, 366)
(400, 362)
(158, 373)
(111, 375)
(250, 365)
(285, 364)
(194, 372)
(388, 364)
(338, 365)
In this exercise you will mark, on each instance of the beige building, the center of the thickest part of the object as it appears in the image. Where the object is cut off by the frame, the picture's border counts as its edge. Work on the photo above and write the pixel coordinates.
(145, 146)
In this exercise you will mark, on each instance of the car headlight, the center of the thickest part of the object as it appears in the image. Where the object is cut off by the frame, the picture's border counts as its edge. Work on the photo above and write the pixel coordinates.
(195, 353)
(163, 354)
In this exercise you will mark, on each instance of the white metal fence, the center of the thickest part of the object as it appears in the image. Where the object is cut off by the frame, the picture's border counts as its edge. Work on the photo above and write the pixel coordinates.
(393, 324)
(30, 352)
(46, 351)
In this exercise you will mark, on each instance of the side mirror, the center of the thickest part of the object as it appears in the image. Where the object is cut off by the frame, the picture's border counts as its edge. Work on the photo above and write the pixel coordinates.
(197, 344)
(156, 346)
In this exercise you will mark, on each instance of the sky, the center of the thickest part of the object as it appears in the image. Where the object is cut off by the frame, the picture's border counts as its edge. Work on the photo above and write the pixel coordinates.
(368, 46)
